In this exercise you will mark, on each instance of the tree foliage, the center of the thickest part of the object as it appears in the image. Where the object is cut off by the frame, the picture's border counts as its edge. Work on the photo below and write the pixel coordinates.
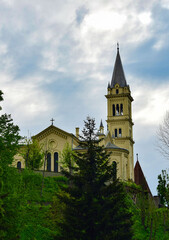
(9, 140)
(150, 222)
(32, 154)
(163, 188)
(9, 144)
(67, 157)
(95, 205)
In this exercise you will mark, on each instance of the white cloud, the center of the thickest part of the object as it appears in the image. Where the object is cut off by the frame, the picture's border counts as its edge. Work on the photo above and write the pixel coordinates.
(25, 99)
(165, 3)
(151, 102)
(3, 48)
(145, 18)
(103, 20)
(159, 44)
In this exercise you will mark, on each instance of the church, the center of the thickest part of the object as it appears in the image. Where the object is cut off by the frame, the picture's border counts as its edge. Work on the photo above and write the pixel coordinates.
(116, 139)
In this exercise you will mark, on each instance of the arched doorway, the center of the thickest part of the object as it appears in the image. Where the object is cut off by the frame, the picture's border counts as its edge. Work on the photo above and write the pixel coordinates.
(18, 165)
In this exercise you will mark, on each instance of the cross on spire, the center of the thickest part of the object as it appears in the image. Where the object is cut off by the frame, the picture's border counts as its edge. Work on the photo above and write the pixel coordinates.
(137, 156)
(117, 46)
(52, 120)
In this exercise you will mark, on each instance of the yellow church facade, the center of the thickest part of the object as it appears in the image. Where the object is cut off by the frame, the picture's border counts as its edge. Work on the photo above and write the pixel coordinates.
(117, 139)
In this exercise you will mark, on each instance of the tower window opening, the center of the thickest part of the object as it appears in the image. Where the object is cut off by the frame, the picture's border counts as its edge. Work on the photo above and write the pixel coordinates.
(117, 91)
(120, 132)
(121, 109)
(117, 109)
(114, 111)
(115, 132)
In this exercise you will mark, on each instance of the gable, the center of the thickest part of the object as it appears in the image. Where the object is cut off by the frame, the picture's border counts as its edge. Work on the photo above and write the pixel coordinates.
(52, 130)
(54, 139)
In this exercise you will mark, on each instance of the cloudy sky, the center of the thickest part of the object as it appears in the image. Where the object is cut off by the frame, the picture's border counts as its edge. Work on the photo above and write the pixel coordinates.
(56, 58)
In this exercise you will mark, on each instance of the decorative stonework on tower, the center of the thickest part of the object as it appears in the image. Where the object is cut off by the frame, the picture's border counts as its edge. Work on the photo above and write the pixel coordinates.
(119, 113)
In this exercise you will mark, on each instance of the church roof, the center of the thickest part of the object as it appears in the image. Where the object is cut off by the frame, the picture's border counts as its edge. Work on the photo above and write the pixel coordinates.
(110, 145)
(79, 147)
(118, 73)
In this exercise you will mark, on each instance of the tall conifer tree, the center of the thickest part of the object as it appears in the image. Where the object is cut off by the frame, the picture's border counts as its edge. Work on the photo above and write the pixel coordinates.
(95, 203)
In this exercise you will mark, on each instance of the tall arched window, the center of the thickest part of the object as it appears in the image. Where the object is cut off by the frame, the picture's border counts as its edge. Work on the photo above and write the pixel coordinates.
(117, 109)
(121, 109)
(114, 110)
(115, 132)
(55, 162)
(49, 162)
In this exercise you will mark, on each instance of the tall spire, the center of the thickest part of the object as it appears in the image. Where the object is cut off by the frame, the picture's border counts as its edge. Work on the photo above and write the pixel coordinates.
(101, 123)
(118, 73)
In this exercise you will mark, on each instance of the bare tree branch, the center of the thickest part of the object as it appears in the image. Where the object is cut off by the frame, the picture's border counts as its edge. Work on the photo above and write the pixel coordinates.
(162, 142)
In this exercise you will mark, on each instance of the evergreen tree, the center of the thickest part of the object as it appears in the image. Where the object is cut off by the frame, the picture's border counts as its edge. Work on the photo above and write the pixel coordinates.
(95, 202)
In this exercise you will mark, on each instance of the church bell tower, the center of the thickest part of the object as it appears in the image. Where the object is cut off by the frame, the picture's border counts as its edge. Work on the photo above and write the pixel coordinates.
(119, 112)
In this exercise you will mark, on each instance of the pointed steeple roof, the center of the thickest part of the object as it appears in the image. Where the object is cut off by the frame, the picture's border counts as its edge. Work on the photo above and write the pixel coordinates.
(101, 123)
(109, 86)
(118, 73)
(139, 177)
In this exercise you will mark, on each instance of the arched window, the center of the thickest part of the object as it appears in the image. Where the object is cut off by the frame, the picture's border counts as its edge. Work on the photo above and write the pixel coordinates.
(55, 162)
(121, 109)
(49, 162)
(117, 91)
(18, 165)
(120, 132)
(117, 109)
(114, 170)
(115, 132)
(114, 110)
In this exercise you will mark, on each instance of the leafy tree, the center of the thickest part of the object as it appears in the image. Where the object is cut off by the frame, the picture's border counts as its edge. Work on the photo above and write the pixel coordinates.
(67, 157)
(9, 140)
(150, 222)
(163, 188)
(95, 204)
(32, 154)
(1, 201)
(9, 144)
